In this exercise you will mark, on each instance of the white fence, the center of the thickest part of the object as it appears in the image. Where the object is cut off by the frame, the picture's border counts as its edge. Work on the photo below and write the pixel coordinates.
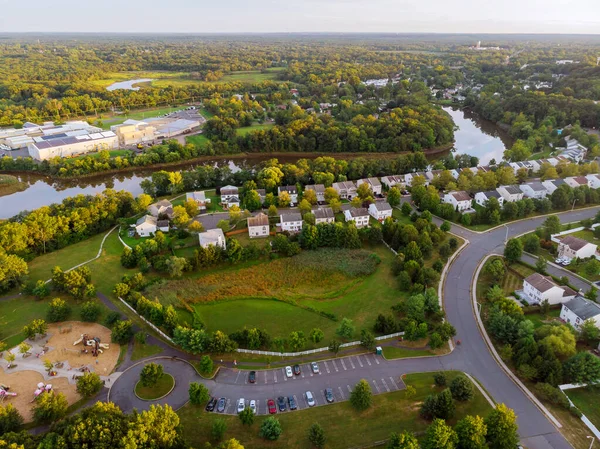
(554, 238)
(313, 351)
(584, 418)
(165, 336)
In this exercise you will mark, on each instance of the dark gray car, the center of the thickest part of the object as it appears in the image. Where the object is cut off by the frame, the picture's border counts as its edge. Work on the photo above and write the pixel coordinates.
(292, 403)
(329, 395)
(221, 405)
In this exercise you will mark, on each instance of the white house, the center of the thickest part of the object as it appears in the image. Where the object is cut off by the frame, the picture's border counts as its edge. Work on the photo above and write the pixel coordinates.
(571, 247)
(199, 198)
(258, 226)
(162, 207)
(291, 222)
(534, 190)
(292, 192)
(324, 215)
(460, 200)
(574, 150)
(409, 177)
(576, 181)
(510, 193)
(345, 189)
(535, 165)
(230, 195)
(359, 215)
(380, 210)
(578, 310)
(553, 184)
(319, 191)
(146, 226)
(593, 181)
(373, 183)
(482, 198)
(538, 288)
(214, 237)
(394, 180)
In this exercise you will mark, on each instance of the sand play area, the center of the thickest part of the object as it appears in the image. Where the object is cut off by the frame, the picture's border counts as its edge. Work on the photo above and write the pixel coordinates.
(70, 361)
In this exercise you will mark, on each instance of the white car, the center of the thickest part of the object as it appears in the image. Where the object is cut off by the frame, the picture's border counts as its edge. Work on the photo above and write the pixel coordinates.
(315, 367)
(288, 371)
(241, 405)
(310, 399)
(253, 406)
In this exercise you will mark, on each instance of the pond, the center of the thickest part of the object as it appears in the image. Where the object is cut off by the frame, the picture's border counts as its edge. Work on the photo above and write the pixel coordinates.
(128, 85)
(478, 137)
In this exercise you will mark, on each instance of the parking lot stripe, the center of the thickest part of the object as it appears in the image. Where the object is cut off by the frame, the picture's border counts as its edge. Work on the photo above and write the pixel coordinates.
(394, 383)
(376, 386)
(368, 361)
(385, 385)
(326, 367)
(297, 403)
(275, 376)
(343, 364)
(236, 377)
(257, 406)
(351, 362)
(284, 374)
(359, 361)
(335, 366)
(341, 392)
(349, 389)
(376, 359)
(266, 372)
(227, 404)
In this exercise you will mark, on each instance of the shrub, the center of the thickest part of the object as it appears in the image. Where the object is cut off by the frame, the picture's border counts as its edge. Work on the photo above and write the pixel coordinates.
(552, 394)
(59, 311)
(247, 416)
(140, 337)
(316, 435)
(89, 384)
(198, 393)
(270, 429)
(150, 374)
(461, 389)
(122, 332)
(206, 365)
(90, 311)
(10, 419)
(440, 379)
(50, 407)
(112, 318)
(218, 429)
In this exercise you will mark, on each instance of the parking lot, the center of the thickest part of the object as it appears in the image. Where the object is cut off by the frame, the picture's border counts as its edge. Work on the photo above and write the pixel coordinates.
(341, 375)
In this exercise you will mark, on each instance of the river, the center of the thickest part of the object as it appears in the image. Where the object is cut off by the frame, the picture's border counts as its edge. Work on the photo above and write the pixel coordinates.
(475, 136)
(128, 85)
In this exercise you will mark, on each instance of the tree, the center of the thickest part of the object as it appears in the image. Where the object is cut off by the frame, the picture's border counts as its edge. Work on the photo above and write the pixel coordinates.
(316, 335)
(150, 374)
(552, 225)
(231, 444)
(531, 243)
(122, 332)
(218, 429)
(334, 346)
(272, 212)
(90, 311)
(304, 206)
(24, 348)
(89, 384)
(446, 226)
(410, 392)
(592, 294)
(10, 419)
(316, 435)
(541, 265)
(445, 405)
(440, 379)
(404, 440)
(330, 195)
(252, 200)
(59, 310)
(180, 217)
(247, 416)
(406, 209)
(41, 289)
(270, 429)
(346, 328)
(471, 432)
(198, 393)
(196, 227)
(583, 367)
(496, 269)
(50, 407)
(297, 340)
(284, 199)
(513, 250)
(367, 340)
(461, 388)
(588, 332)
(191, 207)
(439, 436)
(206, 365)
(361, 396)
(393, 196)
(310, 196)
(502, 428)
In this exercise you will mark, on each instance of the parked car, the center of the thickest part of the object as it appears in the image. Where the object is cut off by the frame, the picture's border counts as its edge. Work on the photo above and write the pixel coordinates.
(297, 370)
(271, 406)
(315, 367)
(211, 405)
(292, 403)
(288, 371)
(253, 406)
(252, 377)
(221, 405)
(310, 399)
(329, 395)
(281, 403)
(241, 405)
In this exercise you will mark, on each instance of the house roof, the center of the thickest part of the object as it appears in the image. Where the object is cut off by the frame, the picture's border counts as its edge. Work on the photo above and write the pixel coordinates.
(540, 283)
(292, 216)
(536, 186)
(261, 192)
(512, 190)
(324, 212)
(344, 185)
(162, 223)
(233, 199)
(581, 180)
(583, 308)
(229, 190)
(558, 182)
(258, 220)
(461, 195)
(211, 237)
(358, 212)
(197, 196)
(288, 189)
(492, 194)
(162, 203)
(574, 243)
(319, 188)
(146, 219)
(374, 182)
(382, 206)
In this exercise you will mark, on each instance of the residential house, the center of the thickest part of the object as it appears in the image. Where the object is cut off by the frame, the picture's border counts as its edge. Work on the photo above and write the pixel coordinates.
(292, 192)
(552, 184)
(593, 181)
(578, 310)
(345, 189)
(460, 200)
(510, 193)
(373, 183)
(482, 198)
(258, 226)
(538, 288)
(324, 215)
(359, 215)
(534, 190)
(380, 210)
(291, 222)
(574, 150)
(408, 178)
(536, 165)
(161, 208)
(146, 226)
(212, 237)
(230, 196)
(319, 191)
(199, 198)
(576, 181)
(262, 194)
(394, 180)
(571, 247)
(162, 225)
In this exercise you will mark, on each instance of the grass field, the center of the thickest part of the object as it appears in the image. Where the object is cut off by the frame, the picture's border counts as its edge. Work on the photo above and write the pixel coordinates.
(141, 351)
(162, 387)
(539, 320)
(344, 426)
(112, 153)
(107, 270)
(247, 129)
(587, 400)
(199, 140)
(251, 76)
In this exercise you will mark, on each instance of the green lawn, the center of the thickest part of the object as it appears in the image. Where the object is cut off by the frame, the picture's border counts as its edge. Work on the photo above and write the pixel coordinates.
(395, 352)
(539, 320)
(112, 153)
(587, 400)
(164, 385)
(141, 351)
(107, 270)
(251, 76)
(199, 140)
(344, 426)
(247, 129)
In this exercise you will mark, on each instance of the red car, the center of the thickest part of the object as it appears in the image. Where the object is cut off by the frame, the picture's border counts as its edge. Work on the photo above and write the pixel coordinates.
(271, 405)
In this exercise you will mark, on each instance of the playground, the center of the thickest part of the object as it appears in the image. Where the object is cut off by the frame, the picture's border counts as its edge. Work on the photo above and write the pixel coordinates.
(54, 361)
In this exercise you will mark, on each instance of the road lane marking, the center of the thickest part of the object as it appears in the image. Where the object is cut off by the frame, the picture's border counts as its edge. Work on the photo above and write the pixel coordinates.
(326, 367)
(341, 393)
(335, 366)
(343, 364)
(359, 361)
(351, 362)
(385, 385)
(394, 383)
(376, 386)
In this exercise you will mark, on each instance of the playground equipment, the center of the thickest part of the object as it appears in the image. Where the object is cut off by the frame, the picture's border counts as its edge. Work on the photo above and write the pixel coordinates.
(94, 343)
(41, 388)
(4, 393)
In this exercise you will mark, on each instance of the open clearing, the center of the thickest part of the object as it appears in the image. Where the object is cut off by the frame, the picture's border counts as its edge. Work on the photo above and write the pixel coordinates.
(587, 399)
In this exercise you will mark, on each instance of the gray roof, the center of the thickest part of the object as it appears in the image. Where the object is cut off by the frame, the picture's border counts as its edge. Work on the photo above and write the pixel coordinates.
(540, 283)
(292, 216)
(382, 206)
(324, 212)
(359, 212)
(512, 190)
(492, 194)
(146, 219)
(536, 186)
(574, 243)
(319, 188)
(288, 189)
(558, 182)
(583, 308)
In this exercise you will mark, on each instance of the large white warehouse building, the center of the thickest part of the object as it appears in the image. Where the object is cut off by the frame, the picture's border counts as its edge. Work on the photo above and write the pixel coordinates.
(71, 144)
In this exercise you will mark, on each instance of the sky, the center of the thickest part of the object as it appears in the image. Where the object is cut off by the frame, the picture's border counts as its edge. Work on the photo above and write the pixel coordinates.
(263, 16)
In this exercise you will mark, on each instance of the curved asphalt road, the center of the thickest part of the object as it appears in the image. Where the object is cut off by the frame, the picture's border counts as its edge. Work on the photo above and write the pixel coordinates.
(472, 356)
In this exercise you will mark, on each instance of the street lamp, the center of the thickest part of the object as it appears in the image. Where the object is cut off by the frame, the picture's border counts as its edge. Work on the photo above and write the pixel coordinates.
(592, 443)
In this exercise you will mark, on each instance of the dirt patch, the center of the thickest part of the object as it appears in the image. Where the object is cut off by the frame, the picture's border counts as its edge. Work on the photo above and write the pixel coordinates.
(24, 384)
(61, 342)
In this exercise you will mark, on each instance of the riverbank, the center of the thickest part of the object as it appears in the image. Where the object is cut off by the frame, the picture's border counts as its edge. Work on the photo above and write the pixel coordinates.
(10, 184)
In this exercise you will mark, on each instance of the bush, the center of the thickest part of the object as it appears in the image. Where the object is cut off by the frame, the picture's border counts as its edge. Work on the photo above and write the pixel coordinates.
(270, 429)
(112, 318)
(50, 407)
(89, 384)
(461, 389)
(361, 396)
(122, 332)
(198, 393)
(90, 311)
(247, 416)
(552, 394)
(10, 419)
(206, 365)
(140, 338)
(316, 435)
(218, 429)
(59, 311)
(440, 379)
(150, 374)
